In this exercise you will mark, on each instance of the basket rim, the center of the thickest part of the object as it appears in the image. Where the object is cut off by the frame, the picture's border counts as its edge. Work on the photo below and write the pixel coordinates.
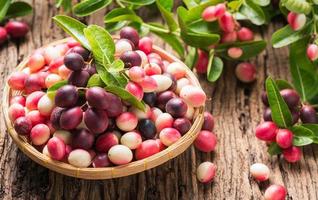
(104, 172)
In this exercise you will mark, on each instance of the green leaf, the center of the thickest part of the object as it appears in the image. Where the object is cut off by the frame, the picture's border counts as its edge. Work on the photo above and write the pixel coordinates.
(280, 112)
(52, 90)
(116, 66)
(250, 49)
(114, 26)
(215, 67)
(65, 4)
(18, 9)
(253, 12)
(274, 149)
(302, 141)
(4, 8)
(87, 7)
(138, 2)
(262, 2)
(314, 130)
(95, 80)
(235, 5)
(286, 35)
(282, 84)
(108, 78)
(167, 4)
(298, 6)
(190, 3)
(126, 96)
(102, 43)
(304, 72)
(167, 15)
(120, 15)
(192, 57)
(73, 27)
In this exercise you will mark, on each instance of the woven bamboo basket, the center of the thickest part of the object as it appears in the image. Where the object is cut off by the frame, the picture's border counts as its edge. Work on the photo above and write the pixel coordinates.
(108, 172)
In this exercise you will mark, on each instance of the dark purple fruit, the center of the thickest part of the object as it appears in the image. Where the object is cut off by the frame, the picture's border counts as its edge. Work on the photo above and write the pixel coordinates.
(163, 98)
(74, 61)
(150, 98)
(23, 126)
(131, 59)
(308, 115)
(79, 78)
(208, 123)
(96, 120)
(97, 97)
(71, 118)
(183, 125)
(115, 106)
(267, 114)
(91, 69)
(291, 97)
(176, 107)
(131, 34)
(66, 96)
(173, 86)
(264, 98)
(101, 160)
(81, 51)
(55, 117)
(147, 128)
(82, 139)
(295, 116)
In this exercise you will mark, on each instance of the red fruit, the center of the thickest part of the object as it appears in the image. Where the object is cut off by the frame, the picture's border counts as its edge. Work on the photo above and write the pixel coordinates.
(40, 134)
(17, 29)
(208, 123)
(136, 74)
(36, 62)
(145, 45)
(3, 35)
(235, 52)
(229, 37)
(226, 22)
(259, 171)
(292, 154)
(212, 13)
(206, 172)
(56, 148)
(17, 99)
(245, 34)
(312, 52)
(169, 136)
(135, 90)
(202, 62)
(205, 141)
(105, 141)
(15, 111)
(23, 126)
(16, 80)
(284, 138)
(275, 192)
(146, 149)
(35, 117)
(296, 21)
(266, 131)
(34, 82)
(245, 72)
(33, 99)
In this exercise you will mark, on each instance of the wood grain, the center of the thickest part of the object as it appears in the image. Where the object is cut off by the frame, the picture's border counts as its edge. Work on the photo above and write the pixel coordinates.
(237, 108)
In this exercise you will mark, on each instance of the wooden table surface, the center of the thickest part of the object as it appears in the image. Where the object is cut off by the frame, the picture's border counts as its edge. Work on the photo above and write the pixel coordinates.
(236, 107)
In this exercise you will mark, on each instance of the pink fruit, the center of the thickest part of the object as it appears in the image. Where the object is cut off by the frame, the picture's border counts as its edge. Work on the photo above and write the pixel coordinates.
(205, 141)
(122, 46)
(146, 149)
(79, 158)
(135, 90)
(120, 155)
(34, 82)
(66, 136)
(202, 62)
(245, 72)
(52, 79)
(259, 171)
(284, 138)
(56, 148)
(131, 139)
(16, 29)
(235, 52)
(145, 45)
(36, 62)
(160, 145)
(127, 121)
(163, 82)
(226, 22)
(152, 69)
(275, 192)
(245, 34)
(169, 136)
(72, 43)
(292, 154)
(164, 120)
(136, 74)
(33, 99)
(212, 13)
(312, 52)
(181, 83)
(55, 64)
(296, 21)
(155, 113)
(15, 111)
(141, 114)
(143, 56)
(64, 72)
(105, 141)
(266, 131)
(35, 117)
(229, 37)
(206, 172)
(17, 99)
(3, 35)
(148, 84)
(40, 134)
(177, 69)
(16, 80)
(193, 95)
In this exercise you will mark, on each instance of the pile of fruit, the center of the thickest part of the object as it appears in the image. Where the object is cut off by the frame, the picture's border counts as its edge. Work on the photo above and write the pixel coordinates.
(66, 111)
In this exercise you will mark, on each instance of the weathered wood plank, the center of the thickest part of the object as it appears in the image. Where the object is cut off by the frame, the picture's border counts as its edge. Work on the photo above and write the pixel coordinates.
(237, 108)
